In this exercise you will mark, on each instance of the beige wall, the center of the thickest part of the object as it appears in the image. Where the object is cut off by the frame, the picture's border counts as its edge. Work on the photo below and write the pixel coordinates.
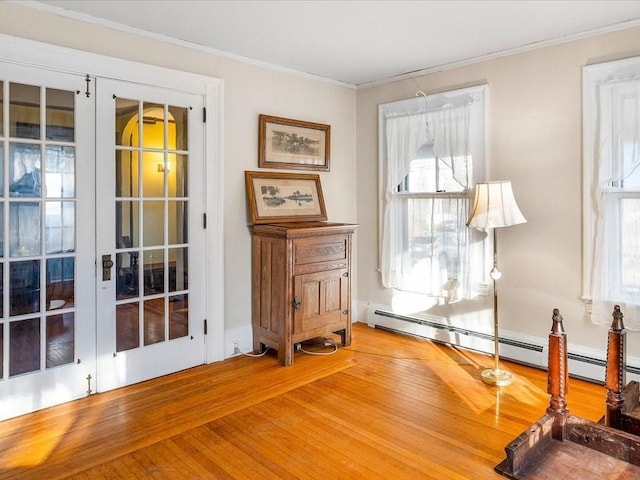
(534, 140)
(248, 91)
(534, 118)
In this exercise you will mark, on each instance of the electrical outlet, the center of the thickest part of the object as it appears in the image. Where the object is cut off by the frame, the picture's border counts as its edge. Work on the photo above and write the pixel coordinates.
(236, 348)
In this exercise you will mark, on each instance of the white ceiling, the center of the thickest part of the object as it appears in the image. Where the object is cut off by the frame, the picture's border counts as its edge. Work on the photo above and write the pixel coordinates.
(359, 42)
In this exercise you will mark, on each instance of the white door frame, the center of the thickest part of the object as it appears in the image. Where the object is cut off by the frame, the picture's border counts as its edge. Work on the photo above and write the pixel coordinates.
(43, 55)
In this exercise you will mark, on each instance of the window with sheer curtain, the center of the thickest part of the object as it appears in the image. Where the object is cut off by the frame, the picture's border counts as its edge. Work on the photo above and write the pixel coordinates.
(431, 155)
(612, 189)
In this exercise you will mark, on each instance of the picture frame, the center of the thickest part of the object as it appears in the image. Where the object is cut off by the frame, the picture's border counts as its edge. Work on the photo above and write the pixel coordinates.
(284, 197)
(293, 144)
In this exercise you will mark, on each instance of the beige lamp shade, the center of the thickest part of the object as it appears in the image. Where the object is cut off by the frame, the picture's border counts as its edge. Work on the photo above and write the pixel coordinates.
(494, 206)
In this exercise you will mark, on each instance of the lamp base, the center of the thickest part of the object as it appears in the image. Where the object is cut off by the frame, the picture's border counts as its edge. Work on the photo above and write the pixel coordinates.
(500, 378)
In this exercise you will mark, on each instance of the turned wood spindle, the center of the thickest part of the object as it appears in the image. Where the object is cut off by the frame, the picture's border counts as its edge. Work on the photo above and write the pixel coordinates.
(615, 377)
(558, 376)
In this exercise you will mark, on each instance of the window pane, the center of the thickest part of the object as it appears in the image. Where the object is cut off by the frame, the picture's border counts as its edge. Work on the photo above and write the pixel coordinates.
(126, 174)
(178, 128)
(127, 283)
(60, 283)
(60, 227)
(24, 229)
(178, 222)
(127, 327)
(153, 126)
(435, 245)
(178, 316)
(178, 269)
(153, 272)
(153, 172)
(1, 135)
(24, 287)
(154, 321)
(153, 214)
(127, 122)
(24, 346)
(60, 171)
(60, 339)
(60, 121)
(24, 170)
(127, 221)
(24, 111)
(178, 174)
(428, 174)
(631, 246)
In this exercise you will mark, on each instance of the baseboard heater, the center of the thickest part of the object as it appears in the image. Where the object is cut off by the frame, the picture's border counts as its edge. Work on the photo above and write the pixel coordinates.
(530, 351)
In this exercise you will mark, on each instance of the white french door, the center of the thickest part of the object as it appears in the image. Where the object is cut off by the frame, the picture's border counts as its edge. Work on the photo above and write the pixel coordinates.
(47, 301)
(102, 242)
(150, 233)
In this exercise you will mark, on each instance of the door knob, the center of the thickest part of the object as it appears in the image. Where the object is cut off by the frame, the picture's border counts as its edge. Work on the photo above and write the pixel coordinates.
(107, 263)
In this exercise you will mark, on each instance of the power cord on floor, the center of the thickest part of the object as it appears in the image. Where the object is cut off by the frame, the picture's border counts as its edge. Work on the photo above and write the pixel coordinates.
(256, 355)
(326, 342)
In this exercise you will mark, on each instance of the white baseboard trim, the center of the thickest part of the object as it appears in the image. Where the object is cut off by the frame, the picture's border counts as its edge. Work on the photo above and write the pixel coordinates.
(585, 363)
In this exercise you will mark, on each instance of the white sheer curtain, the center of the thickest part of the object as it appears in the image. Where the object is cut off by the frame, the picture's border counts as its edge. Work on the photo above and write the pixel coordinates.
(616, 194)
(405, 133)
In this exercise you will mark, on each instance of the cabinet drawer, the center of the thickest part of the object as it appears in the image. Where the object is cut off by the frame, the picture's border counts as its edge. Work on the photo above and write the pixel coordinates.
(330, 248)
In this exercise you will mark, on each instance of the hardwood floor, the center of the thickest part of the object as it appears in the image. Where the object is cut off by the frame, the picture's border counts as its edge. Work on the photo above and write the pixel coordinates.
(389, 406)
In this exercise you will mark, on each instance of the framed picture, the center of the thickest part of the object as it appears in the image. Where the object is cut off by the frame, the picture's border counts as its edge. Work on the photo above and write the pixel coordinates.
(293, 144)
(284, 197)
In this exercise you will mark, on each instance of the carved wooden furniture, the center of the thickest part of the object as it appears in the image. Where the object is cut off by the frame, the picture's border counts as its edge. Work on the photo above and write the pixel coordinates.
(301, 284)
(561, 445)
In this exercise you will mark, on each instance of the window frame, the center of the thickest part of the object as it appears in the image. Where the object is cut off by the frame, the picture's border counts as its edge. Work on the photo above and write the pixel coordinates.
(595, 76)
(433, 103)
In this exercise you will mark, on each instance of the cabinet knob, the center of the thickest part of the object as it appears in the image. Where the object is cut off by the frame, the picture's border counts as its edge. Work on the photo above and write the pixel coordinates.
(296, 302)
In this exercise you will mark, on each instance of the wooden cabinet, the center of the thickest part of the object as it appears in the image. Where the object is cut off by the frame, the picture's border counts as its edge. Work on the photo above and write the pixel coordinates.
(301, 284)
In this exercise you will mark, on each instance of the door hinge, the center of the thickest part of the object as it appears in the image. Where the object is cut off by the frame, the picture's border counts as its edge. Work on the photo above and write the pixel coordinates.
(205, 326)
(204, 114)
(204, 221)
(88, 80)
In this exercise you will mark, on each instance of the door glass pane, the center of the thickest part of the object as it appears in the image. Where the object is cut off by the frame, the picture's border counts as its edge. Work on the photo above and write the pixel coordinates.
(1, 229)
(24, 229)
(153, 220)
(60, 339)
(126, 173)
(127, 326)
(24, 287)
(153, 172)
(1, 350)
(178, 269)
(60, 171)
(60, 227)
(127, 235)
(153, 131)
(127, 122)
(24, 170)
(160, 172)
(1, 130)
(153, 272)
(178, 316)
(178, 222)
(24, 111)
(24, 346)
(177, 175)
(60, 283)
(127, 275)
(1, 298)
(153, 321)
(59, 113)
(178, 139)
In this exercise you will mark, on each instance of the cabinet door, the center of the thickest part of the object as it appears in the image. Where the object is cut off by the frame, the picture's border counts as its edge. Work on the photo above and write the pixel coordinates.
(323, 301)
